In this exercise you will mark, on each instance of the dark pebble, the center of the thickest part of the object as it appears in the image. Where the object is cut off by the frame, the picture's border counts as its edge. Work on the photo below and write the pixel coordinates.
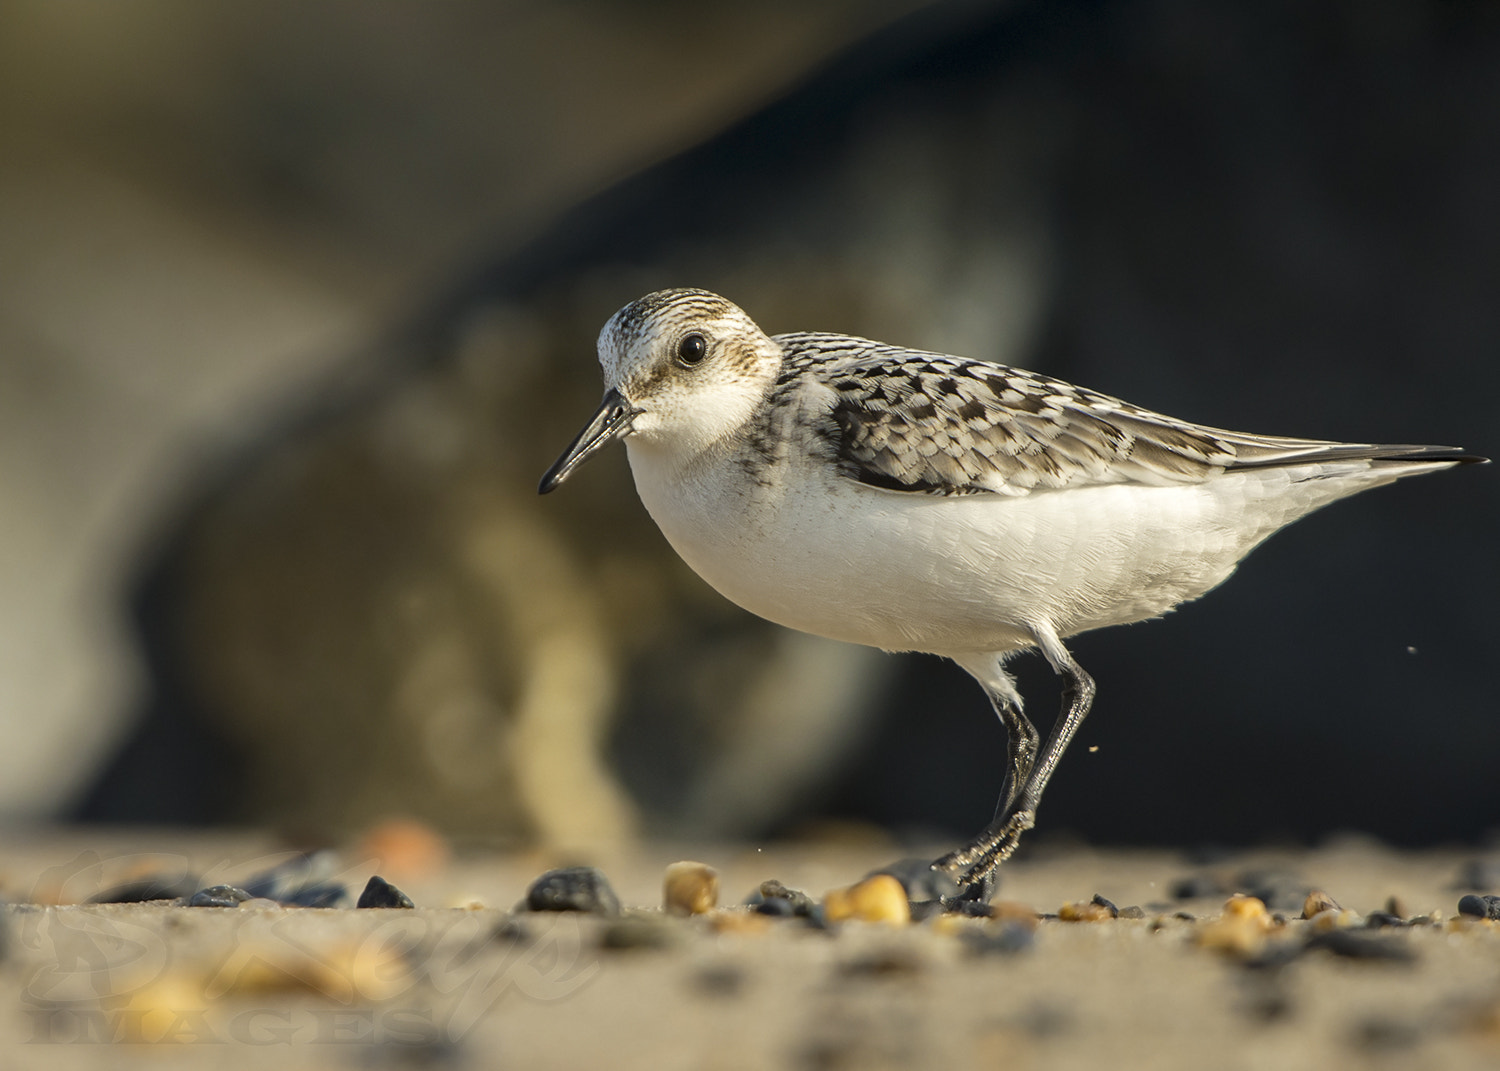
(218, 896)
(1380, 920)
(574, 888)
(301, 881)
(1099, 901)
(1005, 940)
(775, 899)
(1353, 944)
(1479, 907)
(776, 907)
(329, 894)
(381, 893)
(156, 887)
(920, 880)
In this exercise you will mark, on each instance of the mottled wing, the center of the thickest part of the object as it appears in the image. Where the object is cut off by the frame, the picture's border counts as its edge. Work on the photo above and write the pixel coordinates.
(913, 421)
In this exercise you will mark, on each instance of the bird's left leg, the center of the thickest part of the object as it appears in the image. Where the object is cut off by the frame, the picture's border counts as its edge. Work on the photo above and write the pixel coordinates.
(973, 865)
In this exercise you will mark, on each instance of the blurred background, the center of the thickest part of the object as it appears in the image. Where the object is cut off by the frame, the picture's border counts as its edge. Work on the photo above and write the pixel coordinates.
(297, 301)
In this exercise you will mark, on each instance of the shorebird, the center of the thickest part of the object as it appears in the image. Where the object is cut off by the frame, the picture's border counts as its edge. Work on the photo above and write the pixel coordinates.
(916, 501)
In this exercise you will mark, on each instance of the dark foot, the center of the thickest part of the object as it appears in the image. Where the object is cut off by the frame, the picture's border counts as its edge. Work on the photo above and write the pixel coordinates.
(973, 866)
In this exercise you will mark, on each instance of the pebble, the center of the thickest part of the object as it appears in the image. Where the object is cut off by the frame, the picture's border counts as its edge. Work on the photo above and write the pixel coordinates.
(776, 900)
(219, 896)
(302, 881)
(1240, 931)
(1479, 907)
(1089, 911)
(879, 898)
(1318, 901)
(1334, 918)
(381, 893)
(574, 888)
(690, 888)
(1355, 945)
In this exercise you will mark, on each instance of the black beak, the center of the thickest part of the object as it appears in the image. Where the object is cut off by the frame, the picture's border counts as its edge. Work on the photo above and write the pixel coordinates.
(611, 422)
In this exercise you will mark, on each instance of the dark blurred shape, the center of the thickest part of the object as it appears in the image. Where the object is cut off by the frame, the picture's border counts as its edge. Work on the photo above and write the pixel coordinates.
(1277, 217)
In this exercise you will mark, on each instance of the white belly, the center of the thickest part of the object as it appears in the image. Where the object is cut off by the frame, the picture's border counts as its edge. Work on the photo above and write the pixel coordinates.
(963, 574)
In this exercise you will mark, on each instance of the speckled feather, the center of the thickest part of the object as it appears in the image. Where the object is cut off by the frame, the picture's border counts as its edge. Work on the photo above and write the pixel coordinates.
(909, 420)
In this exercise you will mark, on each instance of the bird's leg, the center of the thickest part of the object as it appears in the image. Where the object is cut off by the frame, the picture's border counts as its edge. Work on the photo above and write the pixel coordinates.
(973, 865)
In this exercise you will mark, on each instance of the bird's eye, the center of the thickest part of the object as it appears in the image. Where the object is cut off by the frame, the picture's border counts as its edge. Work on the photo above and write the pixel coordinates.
(692, 349)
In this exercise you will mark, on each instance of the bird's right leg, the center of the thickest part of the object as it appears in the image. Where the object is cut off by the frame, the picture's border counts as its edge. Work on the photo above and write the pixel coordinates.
(1022, 741)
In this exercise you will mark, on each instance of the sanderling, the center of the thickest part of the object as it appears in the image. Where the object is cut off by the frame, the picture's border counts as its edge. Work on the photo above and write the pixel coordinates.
(914, 501)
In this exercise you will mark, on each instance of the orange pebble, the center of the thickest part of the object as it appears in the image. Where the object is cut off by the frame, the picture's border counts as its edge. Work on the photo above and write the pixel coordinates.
(690, 888)
(879, 898)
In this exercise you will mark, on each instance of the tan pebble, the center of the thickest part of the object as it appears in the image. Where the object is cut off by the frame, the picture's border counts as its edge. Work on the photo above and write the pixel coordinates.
(879, 898)
(1084, 911)
(1317, 902)
(1334, 918)
(1247, 907)
(1234, 935)
(690, 888)
(466, 902)
(736, 921)
(1015, 911)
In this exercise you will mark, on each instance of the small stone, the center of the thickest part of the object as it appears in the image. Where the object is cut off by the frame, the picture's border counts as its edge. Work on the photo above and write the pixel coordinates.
(1086, 912)
(920, 880)
(301, 881)
(327, 894)
(218, 896)
(1014, 911)
(1353, 945)
(1134, 911)
(880, 898)
(1396, 906)
(1099, 901)
(574, 888)
(776, 900)
(1238, 936)
(690, 888)
(381, 893)
(1316, 902)
(1247, 907)
(776, 908)
(1334, 918)
(1379, 920)
(1479, 907)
